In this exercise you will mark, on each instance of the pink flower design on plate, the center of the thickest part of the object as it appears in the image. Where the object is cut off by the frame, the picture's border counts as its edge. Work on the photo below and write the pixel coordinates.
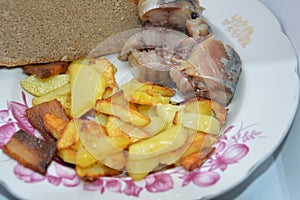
(202, 179)
(114, 186)
(6, 132)
(18, 112)
(132, 189)
(27, 175)
(160, 182)
(94, 186)
(231, 155)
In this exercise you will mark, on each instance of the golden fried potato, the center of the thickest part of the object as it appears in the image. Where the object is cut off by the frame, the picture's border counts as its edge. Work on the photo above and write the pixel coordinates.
(206, 107)
(89, 79)
(116, 161)
(68, 155)
(113, 130)
(157, 123)
(94, 138)
(159, 144)
(84, 158)
(130, 130)
(203, 123)
(146, 93)
(101, 118)
(167, 113)
(62, 94)
(54, 125)
(39, 87)
(69, 136)
(127, 114)
(95, 171)
(138, 169)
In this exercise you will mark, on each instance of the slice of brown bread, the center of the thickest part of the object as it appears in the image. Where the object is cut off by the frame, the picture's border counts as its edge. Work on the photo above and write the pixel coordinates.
(42, 31)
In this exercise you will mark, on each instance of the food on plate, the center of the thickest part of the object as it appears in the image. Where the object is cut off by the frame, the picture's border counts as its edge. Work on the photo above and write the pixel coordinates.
(46, 70)
(169, 13)
(197, 63)
(149, 51)
(36, 114)
(134, 128)
(197, 27)
(100, 74)
(103, 128)
(199, 66)
(62, 94)
(146, 93)
(150, 38)
(39, 87)
(31, 151)
(196, 159)
(126, 113)
(51, 32)
(212, 70)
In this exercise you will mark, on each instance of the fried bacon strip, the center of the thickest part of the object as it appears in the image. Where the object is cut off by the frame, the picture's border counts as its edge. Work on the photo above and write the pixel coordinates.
(46, 70)
(30, 151)
(36, 114)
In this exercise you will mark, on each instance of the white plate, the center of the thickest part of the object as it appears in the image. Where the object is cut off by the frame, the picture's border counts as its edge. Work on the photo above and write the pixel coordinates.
(260, 116)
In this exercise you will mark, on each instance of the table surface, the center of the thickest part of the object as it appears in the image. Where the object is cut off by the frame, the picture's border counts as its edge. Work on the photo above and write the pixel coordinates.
(278, 178)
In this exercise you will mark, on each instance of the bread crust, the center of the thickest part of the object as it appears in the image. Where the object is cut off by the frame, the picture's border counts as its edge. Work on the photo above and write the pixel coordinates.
(41, 31)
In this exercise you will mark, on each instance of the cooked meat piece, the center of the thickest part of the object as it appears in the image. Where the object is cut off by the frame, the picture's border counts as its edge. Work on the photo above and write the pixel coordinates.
(152, 38)
(211, 71)
(46, 70)
(169, 13)
(36, 115)
(197, 27)
(185, 46)
(150, 66)
(31, 151)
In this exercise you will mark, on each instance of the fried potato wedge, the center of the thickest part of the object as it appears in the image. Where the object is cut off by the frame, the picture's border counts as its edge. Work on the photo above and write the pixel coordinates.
(54, 125)
(146, 93)
(62, 94)
(129, 129)
(167, 113)
(39, 87)
(95, 171)
(69, 135)
(157, 124)
(94, 138)
(100, 75)
(84, 158)
(127, 114)
(68, 155)
(203, 123)
(113, 130)
(116, 161)
(138, 169)
(206, 107)
(161, 143)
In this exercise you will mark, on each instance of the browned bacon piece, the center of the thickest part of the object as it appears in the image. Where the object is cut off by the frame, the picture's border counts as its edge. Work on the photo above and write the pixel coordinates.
(36, 115)
(46, 70)
(31, 151)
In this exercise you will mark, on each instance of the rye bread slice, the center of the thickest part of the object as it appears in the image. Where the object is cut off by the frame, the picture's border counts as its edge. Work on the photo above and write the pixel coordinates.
(42, 31)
